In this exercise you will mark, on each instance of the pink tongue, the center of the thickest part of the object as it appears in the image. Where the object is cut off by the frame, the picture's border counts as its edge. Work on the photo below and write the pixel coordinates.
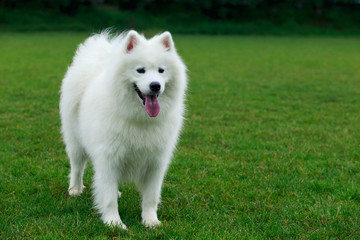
(152, 105)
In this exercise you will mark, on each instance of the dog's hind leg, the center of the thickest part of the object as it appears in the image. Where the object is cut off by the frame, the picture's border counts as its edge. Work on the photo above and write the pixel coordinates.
(78, 163)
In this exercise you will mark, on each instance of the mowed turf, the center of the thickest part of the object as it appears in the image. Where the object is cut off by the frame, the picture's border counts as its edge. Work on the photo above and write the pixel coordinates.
(270, 147)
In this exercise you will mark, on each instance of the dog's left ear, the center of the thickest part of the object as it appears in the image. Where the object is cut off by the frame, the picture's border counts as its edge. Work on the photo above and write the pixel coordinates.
(166, 41)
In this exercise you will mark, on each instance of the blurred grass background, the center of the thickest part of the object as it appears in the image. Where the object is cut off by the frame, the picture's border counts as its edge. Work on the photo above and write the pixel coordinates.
(275, 17)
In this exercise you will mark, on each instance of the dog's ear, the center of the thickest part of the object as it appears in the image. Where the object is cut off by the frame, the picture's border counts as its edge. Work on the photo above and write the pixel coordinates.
(166, 41)
(132, 39)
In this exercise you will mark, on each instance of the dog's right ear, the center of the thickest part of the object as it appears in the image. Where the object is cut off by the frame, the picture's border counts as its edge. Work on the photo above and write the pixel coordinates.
(132, 39)
(167, 41)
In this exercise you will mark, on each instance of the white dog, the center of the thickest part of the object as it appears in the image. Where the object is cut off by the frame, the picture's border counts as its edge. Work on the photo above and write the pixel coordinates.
(122, 106)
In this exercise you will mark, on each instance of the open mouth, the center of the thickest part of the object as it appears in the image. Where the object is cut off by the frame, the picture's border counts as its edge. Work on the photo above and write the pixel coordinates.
(139, 93)
(150, 102)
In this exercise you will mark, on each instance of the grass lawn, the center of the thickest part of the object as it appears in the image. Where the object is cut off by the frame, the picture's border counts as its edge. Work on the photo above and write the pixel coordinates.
(270, 148)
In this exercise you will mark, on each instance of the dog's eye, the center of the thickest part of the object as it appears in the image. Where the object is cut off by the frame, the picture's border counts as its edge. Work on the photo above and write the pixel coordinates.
(141, 70)
(161, 70)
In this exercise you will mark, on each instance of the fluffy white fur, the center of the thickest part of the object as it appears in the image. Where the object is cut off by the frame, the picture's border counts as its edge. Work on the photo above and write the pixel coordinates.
(104, 119)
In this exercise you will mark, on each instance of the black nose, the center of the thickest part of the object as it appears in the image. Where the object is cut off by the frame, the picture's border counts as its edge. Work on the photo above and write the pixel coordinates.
(155, 86)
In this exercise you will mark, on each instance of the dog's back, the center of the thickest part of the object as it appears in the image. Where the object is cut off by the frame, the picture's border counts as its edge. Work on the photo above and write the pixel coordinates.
(89, 60)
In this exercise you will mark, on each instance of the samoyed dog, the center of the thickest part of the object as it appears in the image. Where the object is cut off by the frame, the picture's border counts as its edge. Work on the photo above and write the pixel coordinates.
(122, 106)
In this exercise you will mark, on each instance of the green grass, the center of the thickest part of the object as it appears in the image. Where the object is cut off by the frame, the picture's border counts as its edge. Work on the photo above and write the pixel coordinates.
(270, 148)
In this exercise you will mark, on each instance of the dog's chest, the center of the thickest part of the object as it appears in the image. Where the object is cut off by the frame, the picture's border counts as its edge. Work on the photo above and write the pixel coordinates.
(138, 155)
(139, 142)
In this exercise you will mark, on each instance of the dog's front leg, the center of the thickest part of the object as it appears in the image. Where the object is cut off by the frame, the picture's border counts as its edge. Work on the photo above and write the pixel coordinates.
(151, 189)
(106, 193)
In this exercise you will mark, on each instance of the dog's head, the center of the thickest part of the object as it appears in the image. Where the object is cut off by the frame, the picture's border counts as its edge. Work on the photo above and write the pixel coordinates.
(150, 66)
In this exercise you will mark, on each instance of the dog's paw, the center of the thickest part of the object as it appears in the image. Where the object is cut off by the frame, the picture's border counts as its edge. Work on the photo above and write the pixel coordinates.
(151, 223)
(115, 223)
(76, 191)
